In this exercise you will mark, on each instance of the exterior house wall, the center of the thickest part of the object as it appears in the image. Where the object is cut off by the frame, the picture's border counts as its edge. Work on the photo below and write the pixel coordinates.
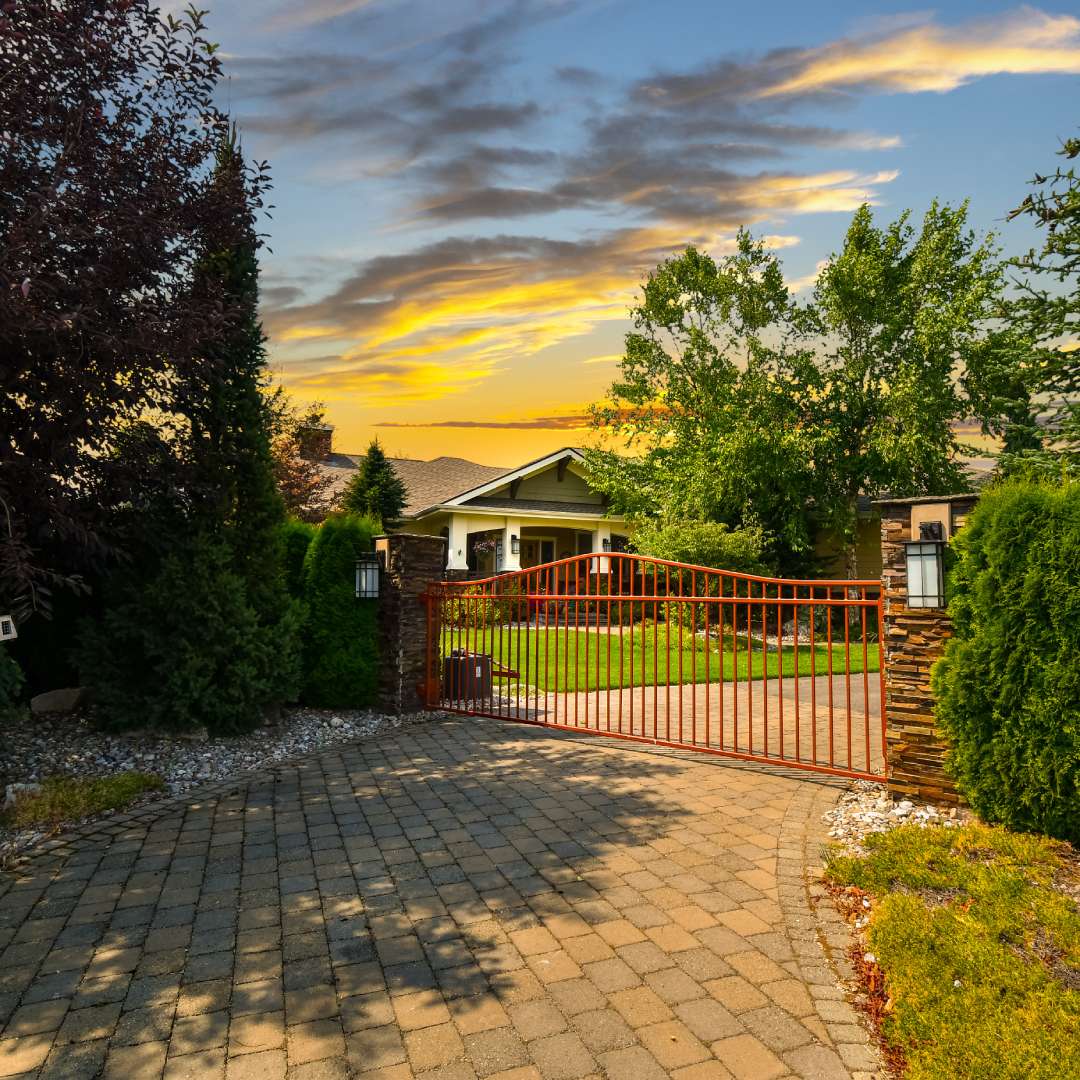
(546, 485)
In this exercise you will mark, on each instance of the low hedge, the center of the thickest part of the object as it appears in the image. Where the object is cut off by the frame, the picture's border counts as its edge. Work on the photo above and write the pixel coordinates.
(1008, 684)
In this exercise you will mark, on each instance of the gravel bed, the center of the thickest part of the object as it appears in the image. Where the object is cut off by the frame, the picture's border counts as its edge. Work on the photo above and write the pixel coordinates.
(867, 808)
(67, 745)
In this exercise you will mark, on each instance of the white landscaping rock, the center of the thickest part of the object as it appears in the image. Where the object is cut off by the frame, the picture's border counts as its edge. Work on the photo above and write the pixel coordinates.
(867, 808)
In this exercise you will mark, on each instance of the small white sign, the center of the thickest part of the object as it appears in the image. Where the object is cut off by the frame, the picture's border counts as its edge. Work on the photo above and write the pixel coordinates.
(7, 628)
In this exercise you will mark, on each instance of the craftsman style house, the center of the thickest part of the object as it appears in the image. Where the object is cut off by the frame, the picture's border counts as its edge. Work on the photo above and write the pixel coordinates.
(499, 519)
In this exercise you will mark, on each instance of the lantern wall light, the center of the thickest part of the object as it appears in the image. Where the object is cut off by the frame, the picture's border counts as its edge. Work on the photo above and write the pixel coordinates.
(925, 567)
(367, 576)
(515, 545)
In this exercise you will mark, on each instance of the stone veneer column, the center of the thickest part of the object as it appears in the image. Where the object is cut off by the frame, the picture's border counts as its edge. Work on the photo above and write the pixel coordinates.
(408, 565)
(912, 640)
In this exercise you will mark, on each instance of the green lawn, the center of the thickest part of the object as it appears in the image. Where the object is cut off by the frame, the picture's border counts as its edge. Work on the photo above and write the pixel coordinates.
(583, 662)
(980, 952)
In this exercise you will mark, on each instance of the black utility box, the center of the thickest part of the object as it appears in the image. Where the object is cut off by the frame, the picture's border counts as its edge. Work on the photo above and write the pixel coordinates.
(467, 676)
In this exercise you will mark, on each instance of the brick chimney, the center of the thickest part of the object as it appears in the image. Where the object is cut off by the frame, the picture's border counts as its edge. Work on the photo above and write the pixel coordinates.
(316, 441)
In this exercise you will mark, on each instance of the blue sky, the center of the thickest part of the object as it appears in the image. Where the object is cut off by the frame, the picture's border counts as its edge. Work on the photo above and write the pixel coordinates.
(468, 192)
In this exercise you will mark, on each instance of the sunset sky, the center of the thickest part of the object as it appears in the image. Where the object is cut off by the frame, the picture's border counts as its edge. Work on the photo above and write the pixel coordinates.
(468, 192)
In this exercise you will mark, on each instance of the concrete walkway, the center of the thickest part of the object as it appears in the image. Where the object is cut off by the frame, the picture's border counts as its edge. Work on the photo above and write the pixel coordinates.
(465, 898)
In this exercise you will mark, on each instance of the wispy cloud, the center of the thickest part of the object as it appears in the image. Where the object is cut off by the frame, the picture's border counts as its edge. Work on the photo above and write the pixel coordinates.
(461, 147)
(933, 58)
(571, 422)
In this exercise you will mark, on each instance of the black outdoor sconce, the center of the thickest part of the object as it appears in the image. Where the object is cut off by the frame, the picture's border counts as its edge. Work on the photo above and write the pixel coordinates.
(606, 543)
(925, 567)
(367, 576)
(515, 545)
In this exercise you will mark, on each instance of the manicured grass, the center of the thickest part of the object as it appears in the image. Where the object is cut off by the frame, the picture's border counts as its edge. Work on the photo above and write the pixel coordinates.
(68, 798)
(980, 953)
(583, 661)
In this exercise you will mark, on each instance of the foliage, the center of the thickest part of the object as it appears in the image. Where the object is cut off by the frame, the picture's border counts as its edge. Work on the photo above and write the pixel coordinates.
(305, 488)
(69, 798)
(1039, 373)
(1008, 684)
(295, 537)
(705, 543)
(11, 685)
(217, 530)
(110, 133)
(186, 647)
(897, 315)
(376, 490)
(743, 408)
(979, 951)
(340, 644)
(706, 403)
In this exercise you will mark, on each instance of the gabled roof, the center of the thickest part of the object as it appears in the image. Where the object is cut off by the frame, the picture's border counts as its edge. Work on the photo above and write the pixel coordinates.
(527, 469)
(444, 481)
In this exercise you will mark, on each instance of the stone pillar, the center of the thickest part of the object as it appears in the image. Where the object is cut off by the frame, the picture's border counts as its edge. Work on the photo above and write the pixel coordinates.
(408, 565)
(911, 640)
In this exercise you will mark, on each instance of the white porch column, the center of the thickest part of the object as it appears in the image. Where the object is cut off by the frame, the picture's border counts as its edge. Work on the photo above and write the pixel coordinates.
(601, 533)
(458, 548)
(511, 560)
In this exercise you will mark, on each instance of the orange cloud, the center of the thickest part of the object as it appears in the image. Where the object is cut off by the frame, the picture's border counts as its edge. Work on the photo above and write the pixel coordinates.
(931, 58)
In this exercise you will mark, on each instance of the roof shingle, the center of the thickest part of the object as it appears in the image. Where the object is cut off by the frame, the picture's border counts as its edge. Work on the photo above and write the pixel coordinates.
(427, 483)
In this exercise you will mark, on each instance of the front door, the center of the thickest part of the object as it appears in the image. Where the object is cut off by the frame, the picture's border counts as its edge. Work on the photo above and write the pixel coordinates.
(536, 550)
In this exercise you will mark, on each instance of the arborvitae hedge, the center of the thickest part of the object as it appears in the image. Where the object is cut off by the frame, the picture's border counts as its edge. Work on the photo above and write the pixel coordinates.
(1008, 685)
(186, 647)
(340, 649)
(296, 537)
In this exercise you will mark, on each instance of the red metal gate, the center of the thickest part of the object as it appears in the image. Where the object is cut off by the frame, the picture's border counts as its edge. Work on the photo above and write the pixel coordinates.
(764, 669)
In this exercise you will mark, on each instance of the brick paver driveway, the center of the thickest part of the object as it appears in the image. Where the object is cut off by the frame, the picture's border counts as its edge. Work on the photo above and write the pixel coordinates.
(459, 899)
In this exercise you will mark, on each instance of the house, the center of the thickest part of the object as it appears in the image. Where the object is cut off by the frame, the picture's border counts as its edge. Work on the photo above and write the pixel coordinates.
(498, 519)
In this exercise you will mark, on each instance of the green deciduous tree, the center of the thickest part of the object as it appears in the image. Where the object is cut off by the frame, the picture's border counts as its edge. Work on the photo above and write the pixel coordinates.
(376, 490)
(896, 317)
(739, 406)
(708, 401)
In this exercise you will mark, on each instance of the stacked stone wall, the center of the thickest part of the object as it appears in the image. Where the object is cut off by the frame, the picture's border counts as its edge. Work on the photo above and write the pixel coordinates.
(912, 641)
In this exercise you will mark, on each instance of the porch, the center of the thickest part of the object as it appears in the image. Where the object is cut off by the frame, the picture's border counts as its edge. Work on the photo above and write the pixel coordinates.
(482, 545)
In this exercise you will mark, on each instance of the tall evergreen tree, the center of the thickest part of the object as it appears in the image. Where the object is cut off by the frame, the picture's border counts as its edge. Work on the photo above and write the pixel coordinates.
(204, 611)
(376, 490)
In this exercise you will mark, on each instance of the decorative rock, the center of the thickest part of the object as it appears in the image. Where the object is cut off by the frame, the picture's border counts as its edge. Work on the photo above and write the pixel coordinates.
(866, 808)
(58, 701)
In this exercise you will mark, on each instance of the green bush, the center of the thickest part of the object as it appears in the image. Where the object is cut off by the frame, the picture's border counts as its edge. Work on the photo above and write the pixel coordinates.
(705, 543)
(1008, 684)
(296, 537)
(340, 646)
(185, 647)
